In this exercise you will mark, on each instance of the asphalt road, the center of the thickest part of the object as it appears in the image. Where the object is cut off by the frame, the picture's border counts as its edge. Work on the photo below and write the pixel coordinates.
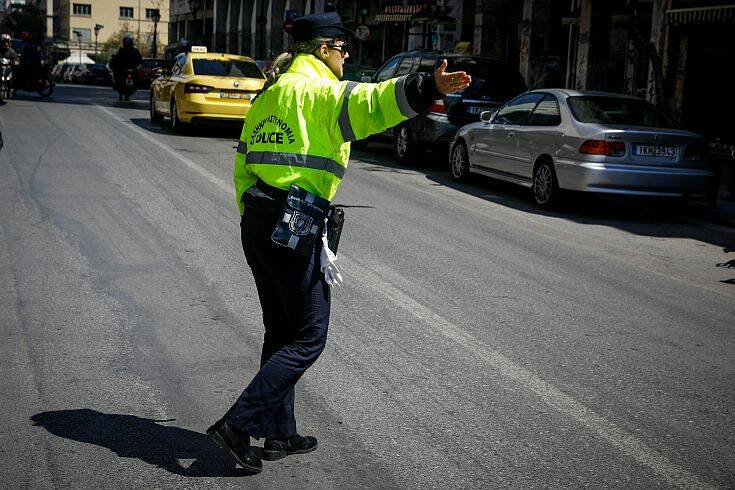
(477, 342)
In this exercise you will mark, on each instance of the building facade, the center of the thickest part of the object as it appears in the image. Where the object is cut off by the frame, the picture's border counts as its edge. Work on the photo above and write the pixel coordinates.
(75, 22)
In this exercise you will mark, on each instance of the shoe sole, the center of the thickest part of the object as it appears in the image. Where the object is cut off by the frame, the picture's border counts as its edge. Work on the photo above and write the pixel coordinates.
(276, 455)
(221, 443)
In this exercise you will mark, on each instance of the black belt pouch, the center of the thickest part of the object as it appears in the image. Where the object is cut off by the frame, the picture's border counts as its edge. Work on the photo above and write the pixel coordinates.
(301, 221)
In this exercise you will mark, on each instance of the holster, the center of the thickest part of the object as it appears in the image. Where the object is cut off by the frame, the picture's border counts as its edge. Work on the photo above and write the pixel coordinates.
(335, 221)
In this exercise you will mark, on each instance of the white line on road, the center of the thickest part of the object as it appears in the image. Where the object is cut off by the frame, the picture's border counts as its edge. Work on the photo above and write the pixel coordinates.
(552, 396)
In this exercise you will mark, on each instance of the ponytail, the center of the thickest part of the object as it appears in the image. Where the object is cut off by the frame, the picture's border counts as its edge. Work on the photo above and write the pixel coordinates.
(283, 61)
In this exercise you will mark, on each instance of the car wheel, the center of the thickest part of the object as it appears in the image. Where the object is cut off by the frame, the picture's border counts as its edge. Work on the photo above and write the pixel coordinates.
(176, 124)
(459, 162)
(545, 186)
(403, 147)
(156, 118)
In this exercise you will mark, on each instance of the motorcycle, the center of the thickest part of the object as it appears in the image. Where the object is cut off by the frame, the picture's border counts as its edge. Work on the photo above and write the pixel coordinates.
(6, 79)
(125, 83)
(43, 84)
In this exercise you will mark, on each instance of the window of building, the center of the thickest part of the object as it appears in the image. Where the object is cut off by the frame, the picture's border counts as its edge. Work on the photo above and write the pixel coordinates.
(82, 9)
(149, 13)
(126, 12)
(86, 34)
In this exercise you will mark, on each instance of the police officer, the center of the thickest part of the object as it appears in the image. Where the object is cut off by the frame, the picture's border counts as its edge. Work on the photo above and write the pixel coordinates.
(298, 132)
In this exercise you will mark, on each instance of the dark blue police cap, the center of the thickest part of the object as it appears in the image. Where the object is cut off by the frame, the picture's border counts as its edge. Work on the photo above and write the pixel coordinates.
(309, 27)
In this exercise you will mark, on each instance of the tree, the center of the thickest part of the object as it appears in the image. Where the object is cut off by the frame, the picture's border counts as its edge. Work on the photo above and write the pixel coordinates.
(113, 43)
(25, 18)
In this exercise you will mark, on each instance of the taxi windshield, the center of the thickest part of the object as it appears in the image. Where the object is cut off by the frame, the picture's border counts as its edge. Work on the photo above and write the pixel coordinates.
(227, 68)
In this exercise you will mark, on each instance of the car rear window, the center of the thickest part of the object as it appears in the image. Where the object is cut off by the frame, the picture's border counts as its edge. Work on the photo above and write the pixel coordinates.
(490, 79)
(227, 68)
(617, 111)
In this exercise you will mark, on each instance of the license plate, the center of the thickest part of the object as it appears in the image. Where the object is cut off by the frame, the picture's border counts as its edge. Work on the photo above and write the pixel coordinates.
(229, 94)
(475, 110)
(657, 151)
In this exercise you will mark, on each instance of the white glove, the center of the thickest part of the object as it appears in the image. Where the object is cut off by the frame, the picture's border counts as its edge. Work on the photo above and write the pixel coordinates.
(329, 268)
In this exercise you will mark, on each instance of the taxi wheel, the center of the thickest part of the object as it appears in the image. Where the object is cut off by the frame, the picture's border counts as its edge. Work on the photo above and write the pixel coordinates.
(156, 118)
(176, 124)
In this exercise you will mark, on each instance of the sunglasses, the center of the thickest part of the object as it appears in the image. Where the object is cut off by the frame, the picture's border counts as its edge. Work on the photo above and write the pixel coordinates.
(342, 48)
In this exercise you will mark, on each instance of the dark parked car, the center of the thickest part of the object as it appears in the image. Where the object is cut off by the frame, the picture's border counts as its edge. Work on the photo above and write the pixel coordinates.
(145, 72)
(494, 82)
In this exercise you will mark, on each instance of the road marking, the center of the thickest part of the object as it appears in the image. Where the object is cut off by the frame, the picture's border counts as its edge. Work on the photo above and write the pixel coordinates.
(224, 185)
(552, 396)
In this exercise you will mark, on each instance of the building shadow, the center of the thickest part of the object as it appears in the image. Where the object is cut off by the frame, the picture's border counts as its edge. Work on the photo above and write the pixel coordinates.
(165, 446)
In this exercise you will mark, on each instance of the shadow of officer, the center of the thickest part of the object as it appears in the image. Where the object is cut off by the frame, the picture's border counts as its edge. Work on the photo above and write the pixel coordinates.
(129, 436)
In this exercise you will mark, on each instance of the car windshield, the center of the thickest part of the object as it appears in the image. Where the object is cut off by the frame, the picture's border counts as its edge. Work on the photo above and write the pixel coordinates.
(490, 79)
(618, 111)
(227, 68)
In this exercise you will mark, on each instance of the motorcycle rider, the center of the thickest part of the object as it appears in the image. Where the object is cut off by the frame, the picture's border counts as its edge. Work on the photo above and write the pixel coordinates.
(30, 62)
(6, 51)
(127, 58)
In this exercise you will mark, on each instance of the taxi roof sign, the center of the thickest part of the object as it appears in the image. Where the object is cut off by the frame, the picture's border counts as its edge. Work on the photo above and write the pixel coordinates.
(198, 49)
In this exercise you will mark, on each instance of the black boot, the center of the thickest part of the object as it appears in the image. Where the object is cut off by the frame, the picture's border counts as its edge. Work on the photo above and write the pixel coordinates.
(237, 443)
(274, 449)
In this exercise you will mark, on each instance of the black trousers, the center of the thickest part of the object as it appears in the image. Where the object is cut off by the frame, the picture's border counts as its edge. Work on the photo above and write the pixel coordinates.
(295, 301)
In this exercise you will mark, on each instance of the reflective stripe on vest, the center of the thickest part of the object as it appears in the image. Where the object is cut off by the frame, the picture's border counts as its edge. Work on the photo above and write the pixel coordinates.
(401, 99)
(296, 160)
(345, 125)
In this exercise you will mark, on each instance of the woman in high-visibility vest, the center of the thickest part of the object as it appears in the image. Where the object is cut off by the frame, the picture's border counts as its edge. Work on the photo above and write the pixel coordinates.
(293, 151)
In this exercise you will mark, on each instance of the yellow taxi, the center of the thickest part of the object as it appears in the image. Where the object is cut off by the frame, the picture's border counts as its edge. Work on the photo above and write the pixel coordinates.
(205, 86)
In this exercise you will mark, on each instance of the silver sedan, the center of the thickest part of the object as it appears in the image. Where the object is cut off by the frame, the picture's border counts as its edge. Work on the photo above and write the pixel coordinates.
(557, 139)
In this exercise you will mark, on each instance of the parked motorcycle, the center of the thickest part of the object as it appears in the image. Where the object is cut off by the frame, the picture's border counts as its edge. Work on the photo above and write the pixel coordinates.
(125, 83)
(43, 84)
(6, 79)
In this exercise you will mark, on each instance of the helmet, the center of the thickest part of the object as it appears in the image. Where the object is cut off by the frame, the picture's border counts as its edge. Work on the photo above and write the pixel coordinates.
(127, 41)
(5, 38)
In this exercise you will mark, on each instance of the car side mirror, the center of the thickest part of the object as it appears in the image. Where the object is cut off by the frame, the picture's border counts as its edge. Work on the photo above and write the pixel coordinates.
(487, 116)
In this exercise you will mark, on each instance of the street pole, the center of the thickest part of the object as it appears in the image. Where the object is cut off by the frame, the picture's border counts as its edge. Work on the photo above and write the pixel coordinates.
(97, 28)
(156, 17)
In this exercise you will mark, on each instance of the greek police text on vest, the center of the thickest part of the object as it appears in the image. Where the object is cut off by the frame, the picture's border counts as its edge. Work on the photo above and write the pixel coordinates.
(260, 136)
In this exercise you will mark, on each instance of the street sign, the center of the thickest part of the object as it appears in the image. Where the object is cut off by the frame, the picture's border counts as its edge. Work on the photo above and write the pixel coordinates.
(362, 33)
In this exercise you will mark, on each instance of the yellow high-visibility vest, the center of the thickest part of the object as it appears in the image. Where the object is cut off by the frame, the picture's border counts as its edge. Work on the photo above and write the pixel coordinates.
(299, 130)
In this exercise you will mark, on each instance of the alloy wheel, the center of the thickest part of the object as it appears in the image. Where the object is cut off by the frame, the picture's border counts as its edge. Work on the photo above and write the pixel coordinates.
(458, 161)
(543, 184)
(402, 141)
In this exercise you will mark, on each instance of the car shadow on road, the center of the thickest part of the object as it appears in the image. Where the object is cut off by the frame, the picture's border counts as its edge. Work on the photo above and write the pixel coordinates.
(128, 436)
(656, 218)
(227, 131)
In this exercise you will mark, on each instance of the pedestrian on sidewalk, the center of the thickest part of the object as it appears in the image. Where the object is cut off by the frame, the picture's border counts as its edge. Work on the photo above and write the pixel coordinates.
(293, 153)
